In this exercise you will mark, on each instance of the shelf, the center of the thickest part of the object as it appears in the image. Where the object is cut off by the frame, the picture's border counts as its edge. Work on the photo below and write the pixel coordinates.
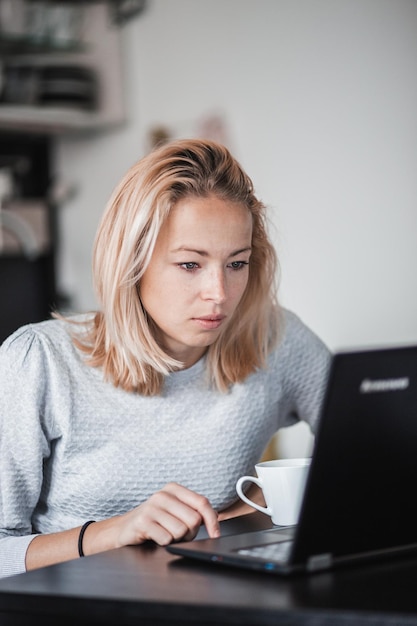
(52, 120)
(101, 52)
(15, 45)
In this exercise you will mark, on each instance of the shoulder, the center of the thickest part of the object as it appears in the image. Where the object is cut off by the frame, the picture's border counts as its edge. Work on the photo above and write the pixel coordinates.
(299, 345)
(295, 333)
(32, 340)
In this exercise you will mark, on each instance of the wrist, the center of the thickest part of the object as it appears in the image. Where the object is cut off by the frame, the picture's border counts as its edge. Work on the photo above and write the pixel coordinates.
(101, 536)
(81, 537)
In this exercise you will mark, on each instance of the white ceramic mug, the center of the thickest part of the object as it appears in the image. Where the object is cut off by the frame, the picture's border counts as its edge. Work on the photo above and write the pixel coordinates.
(282, 482)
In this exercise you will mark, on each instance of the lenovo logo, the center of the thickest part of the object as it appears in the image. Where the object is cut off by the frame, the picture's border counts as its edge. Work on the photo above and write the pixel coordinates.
(388, 384)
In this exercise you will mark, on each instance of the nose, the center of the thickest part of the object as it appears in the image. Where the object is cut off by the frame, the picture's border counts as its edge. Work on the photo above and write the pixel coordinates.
(214, 287)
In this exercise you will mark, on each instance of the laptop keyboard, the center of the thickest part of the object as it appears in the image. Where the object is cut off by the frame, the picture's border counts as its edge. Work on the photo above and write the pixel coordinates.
(278, 552)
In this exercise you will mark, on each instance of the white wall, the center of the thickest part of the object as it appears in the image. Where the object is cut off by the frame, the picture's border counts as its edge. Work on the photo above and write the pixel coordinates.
(319, 101)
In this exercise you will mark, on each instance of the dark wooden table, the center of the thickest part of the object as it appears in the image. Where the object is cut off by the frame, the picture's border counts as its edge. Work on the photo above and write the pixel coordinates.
(144, 585)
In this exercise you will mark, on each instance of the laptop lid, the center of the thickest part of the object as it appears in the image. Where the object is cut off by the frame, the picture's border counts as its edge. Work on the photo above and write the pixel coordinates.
(358, 502)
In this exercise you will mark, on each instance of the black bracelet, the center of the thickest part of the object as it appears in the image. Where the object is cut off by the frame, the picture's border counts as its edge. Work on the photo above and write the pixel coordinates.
(81, 535)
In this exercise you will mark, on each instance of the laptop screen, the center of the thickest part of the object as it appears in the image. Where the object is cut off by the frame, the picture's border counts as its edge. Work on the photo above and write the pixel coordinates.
(361, 483)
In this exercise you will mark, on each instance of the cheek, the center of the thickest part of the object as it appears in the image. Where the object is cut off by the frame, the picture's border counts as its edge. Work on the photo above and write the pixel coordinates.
(239, 287)
(165, 293)
(152, 295)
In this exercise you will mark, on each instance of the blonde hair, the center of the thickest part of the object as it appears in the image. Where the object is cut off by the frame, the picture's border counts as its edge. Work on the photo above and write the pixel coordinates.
(122, 338)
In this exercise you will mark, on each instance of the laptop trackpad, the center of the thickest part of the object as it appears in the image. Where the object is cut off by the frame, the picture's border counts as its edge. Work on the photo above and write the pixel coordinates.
(277, 548)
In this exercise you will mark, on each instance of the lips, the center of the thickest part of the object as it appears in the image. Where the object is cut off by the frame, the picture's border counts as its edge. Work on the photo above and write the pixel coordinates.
(210, 322)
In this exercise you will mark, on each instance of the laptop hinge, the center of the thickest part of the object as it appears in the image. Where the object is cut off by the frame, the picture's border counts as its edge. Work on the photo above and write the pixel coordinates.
(319, 561)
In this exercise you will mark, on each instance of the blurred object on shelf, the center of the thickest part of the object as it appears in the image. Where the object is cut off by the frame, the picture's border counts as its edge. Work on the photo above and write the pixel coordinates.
(158, 135)
(60, 25)
(38, 25)
(123, 10)
(50, 84)
(24, 229)
(13, 17)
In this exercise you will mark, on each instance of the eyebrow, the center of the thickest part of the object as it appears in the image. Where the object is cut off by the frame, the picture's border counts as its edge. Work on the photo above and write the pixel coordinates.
(204, 253)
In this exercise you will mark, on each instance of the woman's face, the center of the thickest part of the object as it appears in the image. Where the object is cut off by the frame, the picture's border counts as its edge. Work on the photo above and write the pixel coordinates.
(197, 274)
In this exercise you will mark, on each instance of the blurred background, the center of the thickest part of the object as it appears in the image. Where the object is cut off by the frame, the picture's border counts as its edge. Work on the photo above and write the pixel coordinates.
(316, 98)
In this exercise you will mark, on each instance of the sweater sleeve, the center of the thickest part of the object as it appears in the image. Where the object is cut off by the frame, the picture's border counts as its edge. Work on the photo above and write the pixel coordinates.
(23, 444)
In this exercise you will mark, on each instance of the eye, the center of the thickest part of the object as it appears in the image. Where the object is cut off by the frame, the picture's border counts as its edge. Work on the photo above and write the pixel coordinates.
(238, 265)
(189, 267)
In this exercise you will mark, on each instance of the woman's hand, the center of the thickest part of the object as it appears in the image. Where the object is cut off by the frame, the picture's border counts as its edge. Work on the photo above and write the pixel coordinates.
(175, 513)
(172, 514)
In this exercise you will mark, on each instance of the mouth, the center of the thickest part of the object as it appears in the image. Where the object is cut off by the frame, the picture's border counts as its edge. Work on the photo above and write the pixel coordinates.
(209, 322)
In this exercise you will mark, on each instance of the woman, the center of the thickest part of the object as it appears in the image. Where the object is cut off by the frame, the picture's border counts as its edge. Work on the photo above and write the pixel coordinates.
(142, 416)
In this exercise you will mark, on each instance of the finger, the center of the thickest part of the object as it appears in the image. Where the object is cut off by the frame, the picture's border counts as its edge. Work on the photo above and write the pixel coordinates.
(199, 503)
(176, 515)
(154, 522)
(165, 531)
(164, 510)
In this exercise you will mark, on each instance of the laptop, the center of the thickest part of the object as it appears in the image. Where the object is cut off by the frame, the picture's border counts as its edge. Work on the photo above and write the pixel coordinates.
(359, 499)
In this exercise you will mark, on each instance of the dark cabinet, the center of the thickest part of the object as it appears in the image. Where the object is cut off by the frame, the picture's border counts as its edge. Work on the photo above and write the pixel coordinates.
(28, 236)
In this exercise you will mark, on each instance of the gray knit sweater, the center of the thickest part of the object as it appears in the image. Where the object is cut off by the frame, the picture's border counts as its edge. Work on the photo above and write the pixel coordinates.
(73, 447)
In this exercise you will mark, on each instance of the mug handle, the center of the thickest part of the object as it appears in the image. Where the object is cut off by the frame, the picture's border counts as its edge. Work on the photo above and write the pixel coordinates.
(242, 496)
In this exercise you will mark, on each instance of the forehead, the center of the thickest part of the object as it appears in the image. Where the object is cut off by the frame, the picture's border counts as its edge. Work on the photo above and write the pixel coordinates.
(209, 220)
